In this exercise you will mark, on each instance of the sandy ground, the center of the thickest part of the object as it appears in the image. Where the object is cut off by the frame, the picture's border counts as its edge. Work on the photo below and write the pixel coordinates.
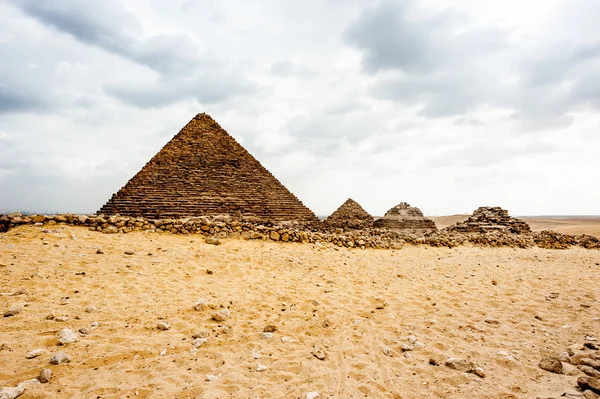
(350, 303)
(562, 224)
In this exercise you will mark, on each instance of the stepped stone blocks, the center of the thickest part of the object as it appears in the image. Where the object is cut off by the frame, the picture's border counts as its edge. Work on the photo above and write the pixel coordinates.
(487, 219)
(405, 217)
(350, 215)
(203, 171)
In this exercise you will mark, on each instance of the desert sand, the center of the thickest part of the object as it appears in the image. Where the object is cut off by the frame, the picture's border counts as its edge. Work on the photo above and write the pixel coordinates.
(357, 306)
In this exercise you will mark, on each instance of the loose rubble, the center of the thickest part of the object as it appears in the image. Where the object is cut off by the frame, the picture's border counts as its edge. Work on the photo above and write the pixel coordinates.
(248, 228)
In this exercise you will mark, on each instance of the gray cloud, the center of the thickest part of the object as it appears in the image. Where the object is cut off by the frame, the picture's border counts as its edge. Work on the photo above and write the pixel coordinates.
(19, 99)
(177, 58)
(423, 59)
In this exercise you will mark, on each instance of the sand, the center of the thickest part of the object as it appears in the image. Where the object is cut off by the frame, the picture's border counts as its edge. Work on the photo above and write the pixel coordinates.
(352, 304)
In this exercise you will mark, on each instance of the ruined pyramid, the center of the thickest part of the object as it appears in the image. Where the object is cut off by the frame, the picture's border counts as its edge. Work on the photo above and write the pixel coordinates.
(350, 215)
(203, 171)
(405, 217)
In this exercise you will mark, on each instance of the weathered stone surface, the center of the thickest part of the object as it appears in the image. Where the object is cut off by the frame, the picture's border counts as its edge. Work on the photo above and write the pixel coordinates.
(488, 219)
(459, 364)
(67, 336)
(551, 364)
(205, 171)
(405, 217)
(350, 215)
(585, 383)
(45, 376)
(60, 358)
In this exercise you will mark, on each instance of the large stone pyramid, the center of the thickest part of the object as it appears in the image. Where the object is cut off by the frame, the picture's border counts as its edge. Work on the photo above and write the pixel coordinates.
(350, 215)
(405, 217)
(204, 171)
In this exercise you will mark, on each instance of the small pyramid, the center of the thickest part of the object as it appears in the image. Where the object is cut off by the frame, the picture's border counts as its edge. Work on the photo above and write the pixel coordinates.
(487, 219)
(204, 171)
(405, 217)
(350, 215)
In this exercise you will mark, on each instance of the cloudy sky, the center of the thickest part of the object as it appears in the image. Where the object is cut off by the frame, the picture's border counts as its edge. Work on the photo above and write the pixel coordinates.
(445, 104)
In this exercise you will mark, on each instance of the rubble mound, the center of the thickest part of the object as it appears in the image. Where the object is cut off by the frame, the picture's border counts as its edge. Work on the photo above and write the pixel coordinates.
(488, 219)
(350, 215)
(405, 217)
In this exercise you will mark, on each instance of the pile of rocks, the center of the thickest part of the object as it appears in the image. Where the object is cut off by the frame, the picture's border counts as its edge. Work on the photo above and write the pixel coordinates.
(581, 360)
(486, 219)
(350, 215)
(405, 217)
(225, 226)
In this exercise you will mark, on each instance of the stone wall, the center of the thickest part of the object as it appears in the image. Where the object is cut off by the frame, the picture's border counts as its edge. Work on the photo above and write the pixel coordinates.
(253, 229)
(204, 171)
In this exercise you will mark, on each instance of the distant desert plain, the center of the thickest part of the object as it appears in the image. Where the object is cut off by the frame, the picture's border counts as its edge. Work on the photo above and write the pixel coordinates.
(296, 320)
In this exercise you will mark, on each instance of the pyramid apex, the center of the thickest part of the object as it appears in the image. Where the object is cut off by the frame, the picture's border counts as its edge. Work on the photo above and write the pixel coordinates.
(203, 115)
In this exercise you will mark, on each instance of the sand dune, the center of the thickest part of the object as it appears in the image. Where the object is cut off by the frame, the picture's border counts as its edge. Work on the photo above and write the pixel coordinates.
(352, 304)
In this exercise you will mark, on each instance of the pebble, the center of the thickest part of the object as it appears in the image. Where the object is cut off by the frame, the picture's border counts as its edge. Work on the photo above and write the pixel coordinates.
(387, 351)
(270, 328)
(459, 364)
(412, 339)
(163, 352)
(200, 334)
(84, 331)
(99, 251)
(129, 253)
(209, 271)
(287, 340)
(163, 325)
(552, 365)
(50, 317)
(193, 351)
(407, 348)
(433, 362)
(66, 336)
(198, 342)
(90, 309)
(12, 312)
(312, 395)
(478, 371)
(319, 353)
(60, 358)
(256, 354)
(261, 367)
(200, 305)
(95, 325)
(212, 240)
(45, 376)
(34, 353)
(267, 335)
(211, 377)
(221, 315)
(61, 319)
(492, 321)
